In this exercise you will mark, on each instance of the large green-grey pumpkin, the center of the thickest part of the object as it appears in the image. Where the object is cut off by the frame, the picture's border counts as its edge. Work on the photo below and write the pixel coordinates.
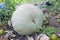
(27, 19)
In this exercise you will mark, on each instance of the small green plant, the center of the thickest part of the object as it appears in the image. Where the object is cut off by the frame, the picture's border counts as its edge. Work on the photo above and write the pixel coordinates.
(49, 30)
(58, 20)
